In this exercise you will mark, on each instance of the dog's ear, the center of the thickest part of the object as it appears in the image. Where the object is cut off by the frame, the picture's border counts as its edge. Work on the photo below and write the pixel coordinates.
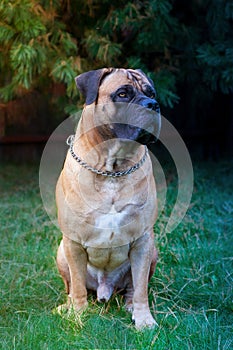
(88, 83)
(149, 79)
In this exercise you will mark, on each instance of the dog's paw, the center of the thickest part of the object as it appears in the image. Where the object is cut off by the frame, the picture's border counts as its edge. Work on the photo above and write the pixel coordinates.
(70, 308)
(129, 306)
(77, 307)
(144, 320)
(61, 309)
(72, 313)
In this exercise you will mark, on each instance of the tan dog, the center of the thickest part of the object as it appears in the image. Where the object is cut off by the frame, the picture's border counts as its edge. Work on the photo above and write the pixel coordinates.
(106, 195)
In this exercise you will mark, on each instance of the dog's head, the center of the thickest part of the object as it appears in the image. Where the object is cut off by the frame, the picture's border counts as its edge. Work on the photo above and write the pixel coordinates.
(124, 103)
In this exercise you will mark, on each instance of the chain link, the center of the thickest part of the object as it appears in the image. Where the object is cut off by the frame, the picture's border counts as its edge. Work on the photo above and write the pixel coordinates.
(70, 143)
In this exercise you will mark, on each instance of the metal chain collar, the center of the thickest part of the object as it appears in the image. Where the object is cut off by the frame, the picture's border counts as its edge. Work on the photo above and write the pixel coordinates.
(70, 143)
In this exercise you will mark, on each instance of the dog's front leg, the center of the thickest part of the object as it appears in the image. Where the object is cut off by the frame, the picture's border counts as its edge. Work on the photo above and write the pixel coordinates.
(141, 255)
(77, 260)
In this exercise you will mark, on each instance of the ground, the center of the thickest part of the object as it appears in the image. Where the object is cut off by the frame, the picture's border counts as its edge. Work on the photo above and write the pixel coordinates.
(190, 294)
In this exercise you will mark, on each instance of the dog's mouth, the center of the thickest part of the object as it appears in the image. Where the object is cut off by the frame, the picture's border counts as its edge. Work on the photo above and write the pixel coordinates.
(146, 138)
(138, 123)
(129, 121)
(133, 133)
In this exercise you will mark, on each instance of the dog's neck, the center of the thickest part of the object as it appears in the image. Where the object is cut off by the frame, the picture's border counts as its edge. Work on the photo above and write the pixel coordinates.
(105, 154)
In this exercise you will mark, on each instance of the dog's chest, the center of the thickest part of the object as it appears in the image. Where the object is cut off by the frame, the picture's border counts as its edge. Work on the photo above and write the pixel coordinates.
(114, 191)
(103, 213)
(112, 220)
(119, 204)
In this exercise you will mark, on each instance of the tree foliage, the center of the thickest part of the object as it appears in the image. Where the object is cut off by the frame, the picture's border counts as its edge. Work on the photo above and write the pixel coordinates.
(215, 55)
(35, 48)
(47, 42)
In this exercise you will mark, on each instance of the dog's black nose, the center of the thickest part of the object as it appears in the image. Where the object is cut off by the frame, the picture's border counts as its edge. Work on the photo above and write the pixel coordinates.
(151, 104)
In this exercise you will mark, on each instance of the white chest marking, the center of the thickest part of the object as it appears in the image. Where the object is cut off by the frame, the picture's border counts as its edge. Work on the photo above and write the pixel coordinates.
(113, 220)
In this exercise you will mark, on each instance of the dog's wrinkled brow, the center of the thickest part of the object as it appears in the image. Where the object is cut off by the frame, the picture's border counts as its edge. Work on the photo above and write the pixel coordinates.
(148, 90)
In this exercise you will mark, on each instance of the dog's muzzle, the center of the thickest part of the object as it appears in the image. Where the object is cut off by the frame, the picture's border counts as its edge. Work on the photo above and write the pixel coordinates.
(138, 121)
(148, 103)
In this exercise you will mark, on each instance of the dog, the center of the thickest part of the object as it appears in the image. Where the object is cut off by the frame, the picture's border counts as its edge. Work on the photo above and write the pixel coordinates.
(106, 194)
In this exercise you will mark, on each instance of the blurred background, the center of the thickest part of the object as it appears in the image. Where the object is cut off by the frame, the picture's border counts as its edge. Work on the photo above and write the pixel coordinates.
(186, 47)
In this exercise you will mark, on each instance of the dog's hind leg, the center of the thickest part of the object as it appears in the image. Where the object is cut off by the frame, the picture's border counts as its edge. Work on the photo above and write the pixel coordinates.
(63, 267)
(129, 293)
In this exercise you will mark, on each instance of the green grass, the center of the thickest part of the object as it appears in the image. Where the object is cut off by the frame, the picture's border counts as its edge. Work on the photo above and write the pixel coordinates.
(190, 294)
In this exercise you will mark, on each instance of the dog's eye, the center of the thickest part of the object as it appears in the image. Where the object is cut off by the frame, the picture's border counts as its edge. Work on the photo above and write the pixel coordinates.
(122, 94)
